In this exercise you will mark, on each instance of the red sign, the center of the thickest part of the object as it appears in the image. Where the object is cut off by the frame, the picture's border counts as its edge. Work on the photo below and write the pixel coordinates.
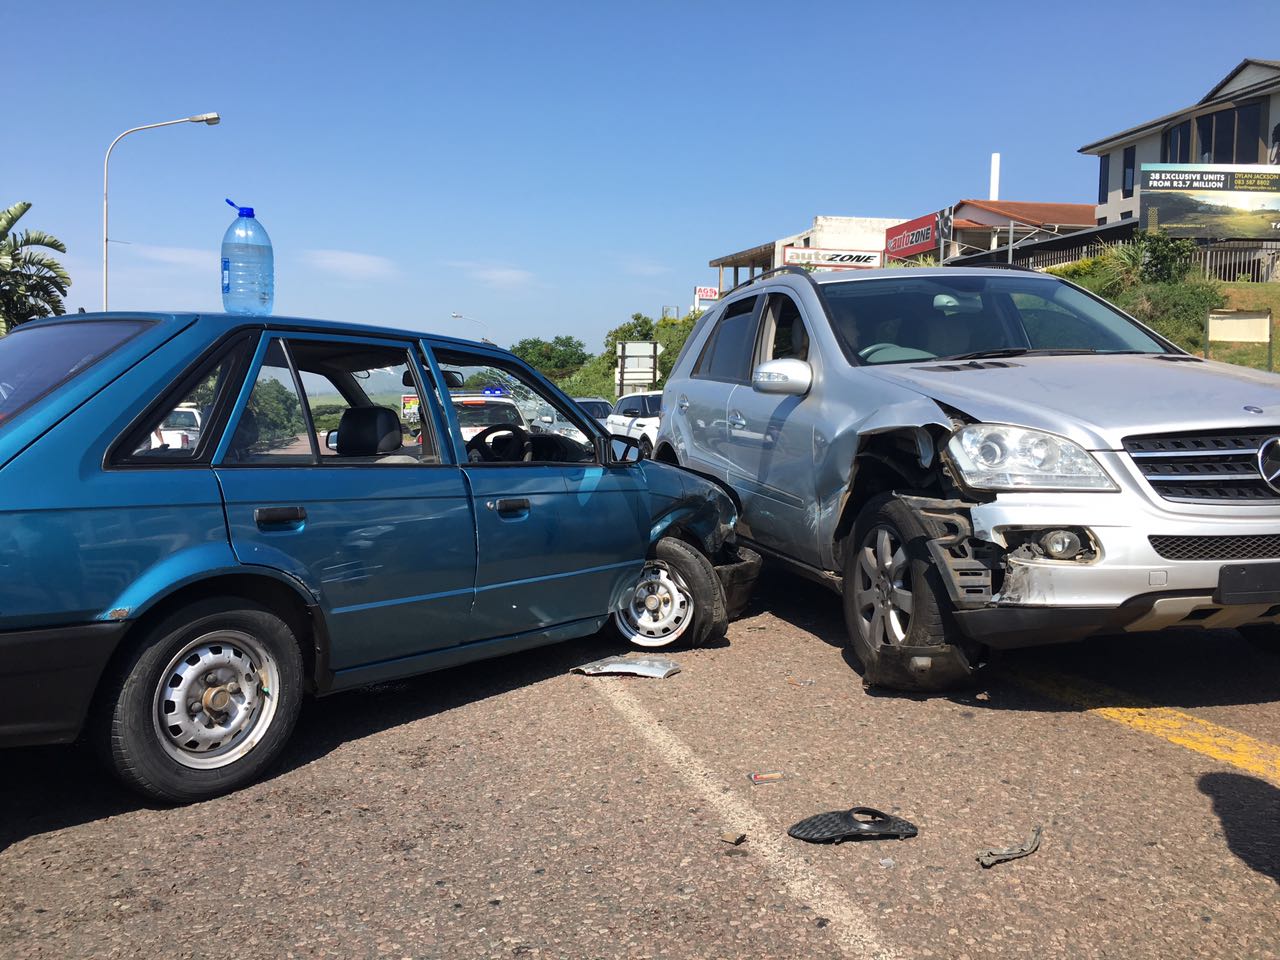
(915, 236)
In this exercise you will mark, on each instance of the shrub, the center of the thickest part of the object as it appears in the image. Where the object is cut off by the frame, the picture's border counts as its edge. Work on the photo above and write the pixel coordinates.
(1175, 310)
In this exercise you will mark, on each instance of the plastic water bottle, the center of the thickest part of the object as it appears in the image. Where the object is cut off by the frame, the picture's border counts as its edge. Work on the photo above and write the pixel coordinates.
(248, 266)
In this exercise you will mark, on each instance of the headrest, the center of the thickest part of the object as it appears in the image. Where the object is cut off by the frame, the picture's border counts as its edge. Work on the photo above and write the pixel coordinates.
(368, 431)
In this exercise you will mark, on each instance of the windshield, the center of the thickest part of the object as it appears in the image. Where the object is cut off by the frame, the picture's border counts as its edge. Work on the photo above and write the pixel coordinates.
(595, 408)
(913, 318)
(35, 360)
(180, 420)
(486, 413)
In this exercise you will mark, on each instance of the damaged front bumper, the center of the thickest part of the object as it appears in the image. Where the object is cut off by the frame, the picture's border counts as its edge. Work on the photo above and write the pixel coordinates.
(1006, 594)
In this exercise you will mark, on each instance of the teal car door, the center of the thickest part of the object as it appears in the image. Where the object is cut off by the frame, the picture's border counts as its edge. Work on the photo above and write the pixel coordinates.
(560, 537)
(331, 471)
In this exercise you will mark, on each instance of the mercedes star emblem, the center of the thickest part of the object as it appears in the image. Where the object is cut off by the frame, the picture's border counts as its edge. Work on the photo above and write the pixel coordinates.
(1269, 463)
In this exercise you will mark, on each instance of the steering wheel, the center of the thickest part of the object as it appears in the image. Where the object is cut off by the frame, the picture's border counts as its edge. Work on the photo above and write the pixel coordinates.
(481, 447)
(866, 352)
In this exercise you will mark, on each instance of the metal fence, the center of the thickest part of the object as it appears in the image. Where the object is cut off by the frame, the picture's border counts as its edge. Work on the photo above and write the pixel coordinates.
(1229, 260)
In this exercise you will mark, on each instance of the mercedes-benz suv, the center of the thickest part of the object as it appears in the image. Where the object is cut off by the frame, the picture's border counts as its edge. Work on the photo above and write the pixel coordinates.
(982, 458)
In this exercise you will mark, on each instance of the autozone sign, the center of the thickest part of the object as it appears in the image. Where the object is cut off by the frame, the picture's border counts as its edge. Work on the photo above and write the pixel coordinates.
(915, 236)
(821, 258)
(706, 293)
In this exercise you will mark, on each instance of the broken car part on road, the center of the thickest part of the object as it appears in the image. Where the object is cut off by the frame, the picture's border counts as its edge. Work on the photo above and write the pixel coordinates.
(658, 667)
(860, 823)
(989, 858)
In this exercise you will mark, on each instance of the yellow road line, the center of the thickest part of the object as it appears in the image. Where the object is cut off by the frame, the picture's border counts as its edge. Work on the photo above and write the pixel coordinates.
(1222, 743)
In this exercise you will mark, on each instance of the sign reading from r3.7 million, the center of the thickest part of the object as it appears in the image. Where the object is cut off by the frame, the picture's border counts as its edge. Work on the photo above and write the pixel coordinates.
(1212, 200)
(822, 258)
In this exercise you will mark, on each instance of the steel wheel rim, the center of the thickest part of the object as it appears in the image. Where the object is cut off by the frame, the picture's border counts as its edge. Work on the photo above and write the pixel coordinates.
(659, 610)
(216, 699)
(882, 588)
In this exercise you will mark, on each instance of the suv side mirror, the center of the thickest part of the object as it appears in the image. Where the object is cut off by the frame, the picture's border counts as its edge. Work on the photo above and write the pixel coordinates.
(631, 412)
(790, 377)
(331, 440)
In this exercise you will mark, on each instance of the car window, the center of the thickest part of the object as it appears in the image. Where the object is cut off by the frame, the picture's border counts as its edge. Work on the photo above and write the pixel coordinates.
(272, 428)
(177, 435)
(653, 405)
(595, 408)
(727, 355)
(785, 335)
(364, 403)
(907, 319)
(505, 416)
(35, 360)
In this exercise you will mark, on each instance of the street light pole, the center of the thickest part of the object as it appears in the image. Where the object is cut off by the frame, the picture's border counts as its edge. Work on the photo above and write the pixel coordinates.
(211, 119)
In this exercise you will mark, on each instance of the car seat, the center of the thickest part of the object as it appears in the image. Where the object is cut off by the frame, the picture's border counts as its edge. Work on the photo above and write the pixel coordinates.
(371, 432)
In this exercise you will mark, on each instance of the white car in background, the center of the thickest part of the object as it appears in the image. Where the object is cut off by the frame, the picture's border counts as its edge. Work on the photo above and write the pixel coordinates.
(180, 430)
(638, 415)
(479, 411)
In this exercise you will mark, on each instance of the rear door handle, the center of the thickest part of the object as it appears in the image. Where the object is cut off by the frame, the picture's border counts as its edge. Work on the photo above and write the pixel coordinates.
(278, 516)
(683, 403)
(737, 420)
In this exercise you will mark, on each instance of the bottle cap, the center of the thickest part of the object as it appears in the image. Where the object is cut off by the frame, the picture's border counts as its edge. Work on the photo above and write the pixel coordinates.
(243, 211)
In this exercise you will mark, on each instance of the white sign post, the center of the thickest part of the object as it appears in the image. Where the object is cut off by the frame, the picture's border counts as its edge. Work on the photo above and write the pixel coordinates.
(1238, 326)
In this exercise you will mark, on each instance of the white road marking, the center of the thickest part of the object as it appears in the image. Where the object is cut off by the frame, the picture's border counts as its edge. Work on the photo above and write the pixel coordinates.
(851, 929)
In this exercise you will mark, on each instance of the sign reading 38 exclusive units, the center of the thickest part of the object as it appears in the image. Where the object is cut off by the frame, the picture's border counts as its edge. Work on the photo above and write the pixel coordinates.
(1212, 200)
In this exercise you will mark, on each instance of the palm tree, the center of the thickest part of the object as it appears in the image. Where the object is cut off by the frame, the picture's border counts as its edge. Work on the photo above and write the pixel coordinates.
(32, 283)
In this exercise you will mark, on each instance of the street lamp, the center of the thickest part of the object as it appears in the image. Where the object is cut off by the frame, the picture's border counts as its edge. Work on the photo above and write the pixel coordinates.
(211, 119)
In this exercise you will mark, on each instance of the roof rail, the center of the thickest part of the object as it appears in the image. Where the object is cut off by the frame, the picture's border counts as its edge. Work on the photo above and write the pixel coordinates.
(995, 265)
(789, 268)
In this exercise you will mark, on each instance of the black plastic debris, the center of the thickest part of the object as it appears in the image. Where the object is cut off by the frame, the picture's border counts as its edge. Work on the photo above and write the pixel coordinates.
(860, 823)
(989, 858)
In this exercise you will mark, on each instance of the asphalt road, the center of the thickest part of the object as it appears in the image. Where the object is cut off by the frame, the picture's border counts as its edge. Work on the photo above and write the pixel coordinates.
(512, 809)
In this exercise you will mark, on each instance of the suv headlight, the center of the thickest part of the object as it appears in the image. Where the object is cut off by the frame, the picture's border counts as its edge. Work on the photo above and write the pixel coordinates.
(993, 456)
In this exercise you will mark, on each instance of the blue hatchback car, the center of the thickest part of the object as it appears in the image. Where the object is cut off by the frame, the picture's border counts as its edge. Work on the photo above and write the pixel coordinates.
(207, 517)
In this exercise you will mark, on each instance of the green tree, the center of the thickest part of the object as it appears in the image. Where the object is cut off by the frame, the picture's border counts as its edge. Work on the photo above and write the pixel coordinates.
(556, 358)
(32, 283)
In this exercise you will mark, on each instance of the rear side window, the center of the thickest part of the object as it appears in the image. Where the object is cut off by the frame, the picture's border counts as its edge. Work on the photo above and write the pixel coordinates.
(727, 355)
(36, 360)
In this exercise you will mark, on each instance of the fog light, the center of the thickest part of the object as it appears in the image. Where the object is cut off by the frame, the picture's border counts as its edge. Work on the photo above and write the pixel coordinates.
(1060, 544)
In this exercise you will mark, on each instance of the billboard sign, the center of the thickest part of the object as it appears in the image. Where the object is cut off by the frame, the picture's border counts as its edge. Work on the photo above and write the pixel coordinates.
(1212, 200)
(706, 293)
(824, 258)
(913, 237)
(409, 407)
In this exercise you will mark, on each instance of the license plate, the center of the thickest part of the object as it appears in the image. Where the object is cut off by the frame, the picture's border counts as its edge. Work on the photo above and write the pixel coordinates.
(1248, 583)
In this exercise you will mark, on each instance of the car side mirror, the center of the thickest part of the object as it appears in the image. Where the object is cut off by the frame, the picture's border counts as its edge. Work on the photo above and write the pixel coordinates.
(631, 412)
(618, 448)
(331, 440)
(790, 377)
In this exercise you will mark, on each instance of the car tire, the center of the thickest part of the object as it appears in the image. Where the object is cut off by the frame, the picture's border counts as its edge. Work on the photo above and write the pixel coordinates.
(896, 607)
(227, 732)
(646, 449)
(678, 599)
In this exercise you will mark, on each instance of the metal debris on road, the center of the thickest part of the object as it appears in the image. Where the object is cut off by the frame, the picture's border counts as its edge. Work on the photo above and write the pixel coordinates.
(734, 838)
(772, 776)
(658, 667)
(989, 858)
(860, 823)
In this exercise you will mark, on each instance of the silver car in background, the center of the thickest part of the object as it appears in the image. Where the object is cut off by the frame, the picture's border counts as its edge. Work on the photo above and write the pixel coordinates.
(982, 458)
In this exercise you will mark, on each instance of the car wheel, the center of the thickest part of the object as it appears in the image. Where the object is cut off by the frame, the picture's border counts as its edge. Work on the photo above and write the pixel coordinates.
(896, 607)
(678, 598)
(203, 704)
(646, 449)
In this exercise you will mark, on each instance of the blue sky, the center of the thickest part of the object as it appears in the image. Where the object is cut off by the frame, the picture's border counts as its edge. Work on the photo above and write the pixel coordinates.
(551, 168)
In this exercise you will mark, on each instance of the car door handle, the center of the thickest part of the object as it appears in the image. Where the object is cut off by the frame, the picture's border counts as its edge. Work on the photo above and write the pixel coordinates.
(683, 403)
(278, 516)
(737, 420)
(510, 507)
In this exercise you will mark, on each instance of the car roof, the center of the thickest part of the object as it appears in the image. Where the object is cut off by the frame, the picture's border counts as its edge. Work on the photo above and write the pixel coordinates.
(224, 322)
(849, 276)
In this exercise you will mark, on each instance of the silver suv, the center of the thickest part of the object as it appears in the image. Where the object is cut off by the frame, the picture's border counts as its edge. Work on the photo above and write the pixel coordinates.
(982, 458)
